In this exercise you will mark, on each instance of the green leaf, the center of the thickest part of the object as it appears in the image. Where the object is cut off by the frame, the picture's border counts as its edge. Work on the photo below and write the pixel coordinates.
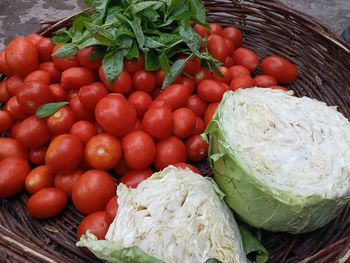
(48, 109)
(191, 38)
(152, 60)
(66, 50)
(100, 34)
(136, 27)
(113, 64)
(143, 5)
(198, 11)
(152, 43)
(150, 14)
(62, 36)
(133, 52)
(164, 63)
(99, 52)
(175, 70)
(100, 6)
(88, 42)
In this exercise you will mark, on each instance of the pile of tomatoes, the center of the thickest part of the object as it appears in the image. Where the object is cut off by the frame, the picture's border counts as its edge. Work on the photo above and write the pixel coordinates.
(124, 131)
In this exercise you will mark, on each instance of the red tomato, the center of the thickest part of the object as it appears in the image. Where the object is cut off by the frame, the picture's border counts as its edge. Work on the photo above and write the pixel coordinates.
(39, 178)
(84, 58)
(44, 47)
(46, 203)
(139, 149)
(134, 177)
(103, 151)
(184, 122)
(200, 126)
(64, 153)
(14, 129)
(5, 121)
(201, 30)
(33, 132)
(50, 67)
(160, 76)
(64, 63)
(284, 71)
(217, 47)
(66, 181)
(80, 111)
(279, 87)
(189, 83)
(21, 56)
(61, 121)
(76, 77)
(73, 93)
(246, 57)
(196, 104)
(91, 94)
(210, 111)
(112, 209)
(227, 77)
(159, 104)
(12, 107)
(203, 74)
(97, 223)
(37, 155)
(13, 171)
(34, 38)
(122, 84)
(242, 82)
(92, 191)
(228, 62)
(175, 95)
(13, 83)
(4, 95)
(210, 90)
(193, 66)
(115, 115)
(197, 148)
(169, 151)
(141, 101)
(4, 68)
(144, 81)
(155, 92)
(121, 168)
(238, 70)
(184, 166)
(216, 28)
(158, 122)
(11, 147)
(134, 65)
(84, 130)
(230, 48)
(233, 34)
(58, 92)
(265, 81)
(39, 75)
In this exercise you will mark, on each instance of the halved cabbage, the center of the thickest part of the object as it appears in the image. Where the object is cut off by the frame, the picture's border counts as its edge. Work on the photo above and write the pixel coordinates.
(283, 162)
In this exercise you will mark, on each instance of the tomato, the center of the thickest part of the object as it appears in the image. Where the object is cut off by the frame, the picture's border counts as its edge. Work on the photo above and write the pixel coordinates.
(134, 177)
(64, 63)
(50, 67)
(233, 34)
(184, 122)
(227, 77)
(175, 95)
(246, 57)
(4, 68)
(160, 76)
(5, 121)
(84, 57)
(210, 90)
(228, 62)
(47, 202)
(11, 147)
(58, 92)
(103, 151)
(242, 82)
(14, 129)
(284, 71)
(138, 125)
(158, 122)
(21, 56)
(13, 83)
(80, 111)
(92, 191)
(66, 181)
(64, 153)
(279, 87)
(193, 66)
(265, 81)
(200, 126)
(40, 76)
(44, 47)
(197, 148)
(112, 209)
(91, 94)
(203, 74)
(12, 107)
(84, 130)
(34, 38)
(210, 111)
(230, 48)
(189, 83)
(76, 77)
(169, 151)
(97, 223)
(139, 149)
(217, 47)
(33, 132)
(134, 65)
(73, 93)
(39, 178)
(115, 115)
(4, 95)
(13, 172)
(196, 104)
(141, 101)
(187, 165)
(121, 168)
(37, 155)
(122, 84)
(144, 81)
(61, 121)
(201, 30)
(216, 28)
(238, 70)
(159, 104)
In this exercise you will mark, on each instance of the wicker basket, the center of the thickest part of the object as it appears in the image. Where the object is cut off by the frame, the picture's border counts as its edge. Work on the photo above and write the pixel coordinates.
(269, 27)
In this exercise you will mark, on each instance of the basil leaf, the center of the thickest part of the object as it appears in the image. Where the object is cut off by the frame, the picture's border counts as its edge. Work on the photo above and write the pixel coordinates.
(175, 70)
(48, 109)
(141, 6)
(62, 36)
(67, 50)
(113, 64)
(133, 52)
(136, 27)
(198, 11)
(99, 52)
(100, 34)
(164, 63)
(88, 42)
(152, 43)
(152, 60)
(191, 38)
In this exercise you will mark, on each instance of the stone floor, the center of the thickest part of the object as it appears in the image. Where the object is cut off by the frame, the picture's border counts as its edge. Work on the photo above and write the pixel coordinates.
(18, 17)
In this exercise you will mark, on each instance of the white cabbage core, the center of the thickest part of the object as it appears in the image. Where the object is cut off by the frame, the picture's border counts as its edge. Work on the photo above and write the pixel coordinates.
(299, 145)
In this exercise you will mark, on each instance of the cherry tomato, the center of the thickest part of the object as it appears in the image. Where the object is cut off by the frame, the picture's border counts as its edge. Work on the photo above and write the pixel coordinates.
(184, 122)
(121, 168)
(193, 66)
(4, 95)
(197, 148)
(13, 83)
(209, 113)
(4, 68)
(66, 181)
(81, 112)
(230, 48)
(103, 151)
(134, 65)
(21, 56)
(238, 70)
(84, 57)
(265, 81)
(122, 84)
(37, 155)
(216, 28)
(97, 223)
(64, 153)
(197, 105)
(210, 90)
(39, 75)
(284, 71)
(233, 34)
(217, 47)
(50, 67)
(159, 104)
(175, 95)
(158, 122)
(76, 77)
(200, 126)
(5, 121)
(246, 57)
(141, 101)
(47, 202)
(139, 149)
(13, 172)
(39, 178)
(115, 115)
(92, 191)
(227, 77)
(44, 47)
(12, 107)
(160, 76)
(144, 81)
(64, 63)
(134, 177)
(11, 147)
(84, 130)
(228, 62)
(242, 82)
(184, 166)
(279, 87)
(91, 94)
(169, 151)
(201, 30)
(112, 209)
(58, 92)
(189, 83)
(34, 38)
(61, 121)
(203, 74)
